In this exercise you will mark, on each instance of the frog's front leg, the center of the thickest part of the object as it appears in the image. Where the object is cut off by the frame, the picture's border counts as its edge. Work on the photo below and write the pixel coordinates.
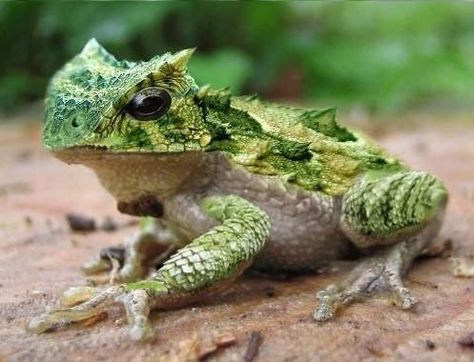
(203, 266)
(403, 212)
(137, 257)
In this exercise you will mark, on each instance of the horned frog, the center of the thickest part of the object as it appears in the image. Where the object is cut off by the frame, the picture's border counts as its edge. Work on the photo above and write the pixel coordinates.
(229, 183)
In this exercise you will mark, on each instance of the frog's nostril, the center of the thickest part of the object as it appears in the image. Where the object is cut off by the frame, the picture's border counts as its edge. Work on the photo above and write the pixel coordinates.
(74, 122)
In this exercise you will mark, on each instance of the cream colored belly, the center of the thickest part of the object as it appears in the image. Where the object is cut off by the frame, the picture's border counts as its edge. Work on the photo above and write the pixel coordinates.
(305, 225)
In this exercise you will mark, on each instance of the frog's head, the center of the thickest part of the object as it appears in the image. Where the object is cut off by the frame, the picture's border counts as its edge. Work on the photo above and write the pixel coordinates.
(98, 102)
(138, 125)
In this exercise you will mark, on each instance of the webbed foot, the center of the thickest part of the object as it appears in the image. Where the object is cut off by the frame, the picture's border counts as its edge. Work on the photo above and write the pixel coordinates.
(380, 273)
(136, 300)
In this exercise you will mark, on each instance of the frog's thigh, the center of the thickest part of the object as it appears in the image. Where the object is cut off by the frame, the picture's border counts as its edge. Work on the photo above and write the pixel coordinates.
(391, 209)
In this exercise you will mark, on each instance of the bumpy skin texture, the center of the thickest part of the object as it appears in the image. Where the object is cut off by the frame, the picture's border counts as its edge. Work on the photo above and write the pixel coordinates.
(236, 182)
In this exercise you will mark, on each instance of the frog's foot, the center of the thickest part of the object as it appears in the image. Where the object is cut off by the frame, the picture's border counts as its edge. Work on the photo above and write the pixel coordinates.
(142, 254)
(104, 261)
(137, 304)
(380, 273)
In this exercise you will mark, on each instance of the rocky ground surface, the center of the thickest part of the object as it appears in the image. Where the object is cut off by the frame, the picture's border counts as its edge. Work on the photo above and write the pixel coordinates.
(260, 318)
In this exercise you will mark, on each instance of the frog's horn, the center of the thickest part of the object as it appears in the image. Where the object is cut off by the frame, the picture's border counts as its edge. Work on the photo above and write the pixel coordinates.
(94, 51)
(180, 59)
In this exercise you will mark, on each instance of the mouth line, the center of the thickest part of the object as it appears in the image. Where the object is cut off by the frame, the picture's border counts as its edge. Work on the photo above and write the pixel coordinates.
(102, 150)
(79, 154)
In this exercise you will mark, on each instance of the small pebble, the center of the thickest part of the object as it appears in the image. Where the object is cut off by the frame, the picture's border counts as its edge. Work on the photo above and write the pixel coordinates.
(430, 344)
(270, 292)
(28, 221)
(109, 224)
(80, 223)
(467, 341)
(224, 340)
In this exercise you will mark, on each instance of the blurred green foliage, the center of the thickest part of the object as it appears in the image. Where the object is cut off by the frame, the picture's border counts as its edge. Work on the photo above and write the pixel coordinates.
(385, 56)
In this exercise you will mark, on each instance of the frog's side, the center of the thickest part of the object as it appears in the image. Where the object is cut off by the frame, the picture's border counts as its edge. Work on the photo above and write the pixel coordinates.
(235, 182)
(305, 231)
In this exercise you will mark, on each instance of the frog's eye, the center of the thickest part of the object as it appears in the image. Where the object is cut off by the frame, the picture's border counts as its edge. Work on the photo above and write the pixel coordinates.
(148, 104)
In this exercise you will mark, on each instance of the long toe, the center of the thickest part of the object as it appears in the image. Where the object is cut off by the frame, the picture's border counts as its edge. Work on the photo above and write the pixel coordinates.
(404, 299)
(141, 333)
(86, 310)
(41, 323)
(76, 295)
(96, 265)
(137, 305)
(329, 302)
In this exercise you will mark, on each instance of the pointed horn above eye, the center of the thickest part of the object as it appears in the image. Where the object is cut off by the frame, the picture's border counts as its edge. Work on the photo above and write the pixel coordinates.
(96, 51)
(93, 46)
(180, 60)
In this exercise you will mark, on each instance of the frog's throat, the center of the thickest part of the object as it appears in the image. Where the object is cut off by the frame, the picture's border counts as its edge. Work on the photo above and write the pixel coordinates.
(131, 176)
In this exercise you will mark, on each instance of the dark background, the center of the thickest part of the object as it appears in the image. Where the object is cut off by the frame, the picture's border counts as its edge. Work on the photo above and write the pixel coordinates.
(384, 57)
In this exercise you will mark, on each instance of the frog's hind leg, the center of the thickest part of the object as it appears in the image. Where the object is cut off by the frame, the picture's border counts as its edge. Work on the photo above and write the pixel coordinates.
(143, 251)
(206, 265)
(402, 212)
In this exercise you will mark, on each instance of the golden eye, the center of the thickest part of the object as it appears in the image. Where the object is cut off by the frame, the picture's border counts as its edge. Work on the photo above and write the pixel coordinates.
(149, 104)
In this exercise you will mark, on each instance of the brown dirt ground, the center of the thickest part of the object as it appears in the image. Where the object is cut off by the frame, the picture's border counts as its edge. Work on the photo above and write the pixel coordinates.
(39, 258)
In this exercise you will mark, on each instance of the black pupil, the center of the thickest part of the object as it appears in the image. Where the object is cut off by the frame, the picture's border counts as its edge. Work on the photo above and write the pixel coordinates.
(149, 104)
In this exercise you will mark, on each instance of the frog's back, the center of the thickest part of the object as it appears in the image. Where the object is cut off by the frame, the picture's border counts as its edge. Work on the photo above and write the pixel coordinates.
(306, 147)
